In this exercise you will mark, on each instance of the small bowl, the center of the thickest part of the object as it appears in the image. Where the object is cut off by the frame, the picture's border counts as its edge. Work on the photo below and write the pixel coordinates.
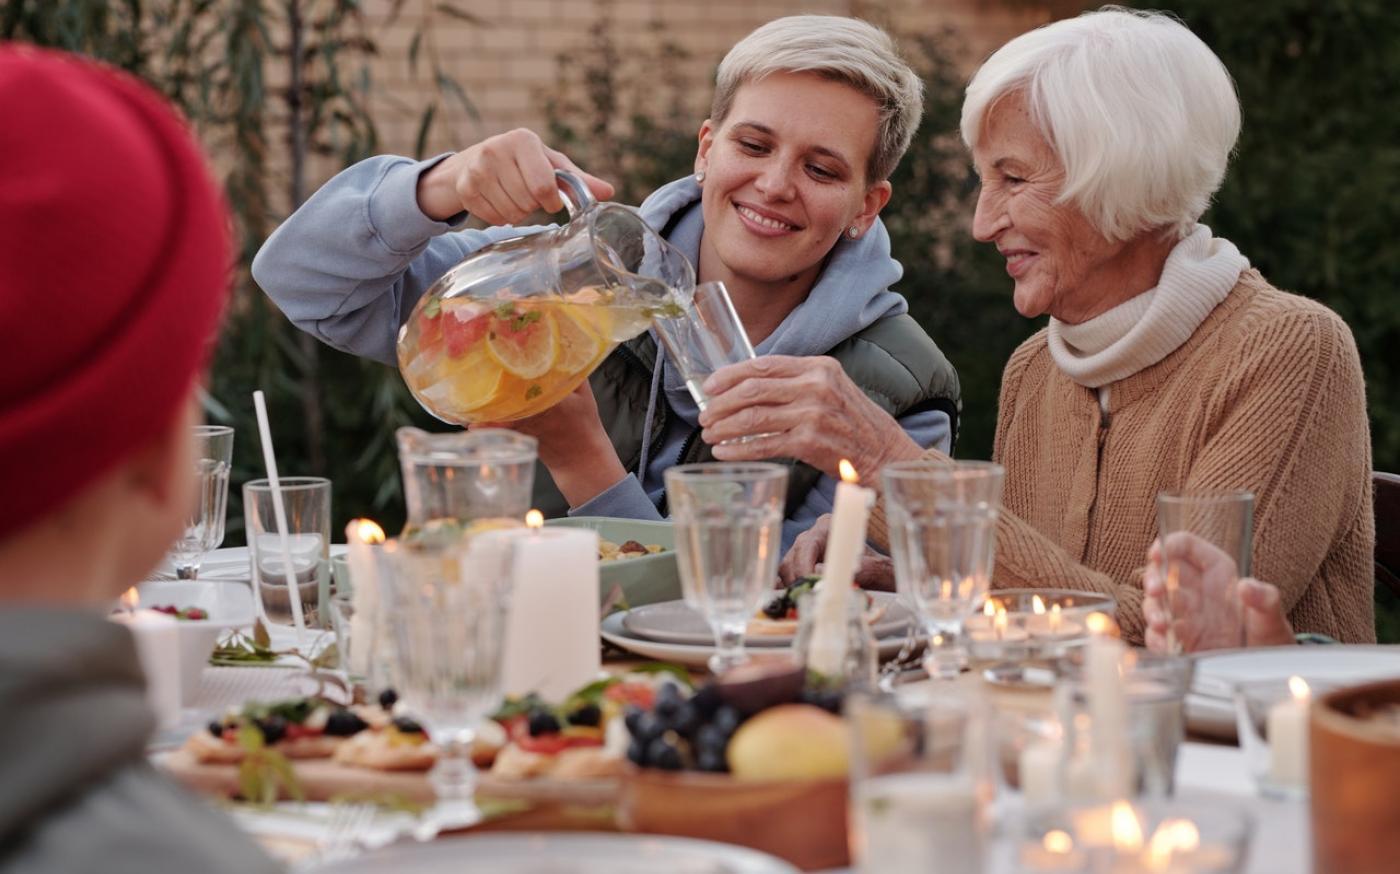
(802, 821)
(1354, 767)
(227, 604)
(647, 579)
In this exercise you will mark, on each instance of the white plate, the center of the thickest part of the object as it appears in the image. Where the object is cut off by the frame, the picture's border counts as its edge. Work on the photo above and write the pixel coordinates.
(677, 622)
(228, 563)
(1210, 709)
(694, 655)
(574, 852)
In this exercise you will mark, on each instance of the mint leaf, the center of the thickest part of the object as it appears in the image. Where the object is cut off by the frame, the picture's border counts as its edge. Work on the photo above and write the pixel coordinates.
(433, 308)
(533, 392)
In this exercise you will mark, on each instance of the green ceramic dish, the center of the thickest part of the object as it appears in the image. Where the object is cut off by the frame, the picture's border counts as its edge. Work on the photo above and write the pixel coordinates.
(645, 580)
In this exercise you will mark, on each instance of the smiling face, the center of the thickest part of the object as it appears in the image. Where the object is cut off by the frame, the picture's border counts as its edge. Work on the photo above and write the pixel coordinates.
(1062, 265)
(785, 178)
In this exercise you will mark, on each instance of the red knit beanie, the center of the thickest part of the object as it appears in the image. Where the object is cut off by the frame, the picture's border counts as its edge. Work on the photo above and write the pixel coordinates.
(114, 269)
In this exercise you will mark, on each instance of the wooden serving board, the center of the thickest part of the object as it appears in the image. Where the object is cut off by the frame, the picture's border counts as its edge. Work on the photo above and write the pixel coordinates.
(323, 780)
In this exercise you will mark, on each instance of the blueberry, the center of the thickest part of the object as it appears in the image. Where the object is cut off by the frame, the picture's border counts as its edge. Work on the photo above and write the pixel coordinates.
(685, 720)
(726, 719)
(273, 729)
(637, 753)
(407, 726)
(776, 608)
(543, 722)
(709, 760)
(632, 717)
(668, 701)
(344, 723)
(646, 727)
(665, 755)
(588, 714)
(705, 700)
(216, 728)
(709, 738)
(388, 698)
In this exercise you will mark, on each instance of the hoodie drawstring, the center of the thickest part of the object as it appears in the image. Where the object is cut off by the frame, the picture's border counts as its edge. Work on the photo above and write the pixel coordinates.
(650, 417)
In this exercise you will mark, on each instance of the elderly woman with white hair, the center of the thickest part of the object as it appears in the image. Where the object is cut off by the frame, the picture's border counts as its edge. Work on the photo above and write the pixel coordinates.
(1168, 362)
(810, 116)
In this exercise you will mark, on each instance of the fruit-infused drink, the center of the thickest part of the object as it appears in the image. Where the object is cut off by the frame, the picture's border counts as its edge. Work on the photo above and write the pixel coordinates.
(472, 360)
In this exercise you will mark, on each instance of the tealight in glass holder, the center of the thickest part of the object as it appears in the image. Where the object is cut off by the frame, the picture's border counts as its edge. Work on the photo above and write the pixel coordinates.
(1020, 635)
(1271, 718)
(1202, 836)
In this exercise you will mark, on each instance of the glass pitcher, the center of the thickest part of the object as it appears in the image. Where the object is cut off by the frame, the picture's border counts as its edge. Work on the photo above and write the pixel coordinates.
(465, 481)
(517, 325)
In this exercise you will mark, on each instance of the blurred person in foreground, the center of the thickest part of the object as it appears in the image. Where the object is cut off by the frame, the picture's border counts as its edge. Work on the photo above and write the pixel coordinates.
(1168, 362)
(103, 353)
(810, 116)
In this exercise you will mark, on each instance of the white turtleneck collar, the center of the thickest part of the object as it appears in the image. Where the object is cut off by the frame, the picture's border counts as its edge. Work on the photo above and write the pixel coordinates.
(1198, 274)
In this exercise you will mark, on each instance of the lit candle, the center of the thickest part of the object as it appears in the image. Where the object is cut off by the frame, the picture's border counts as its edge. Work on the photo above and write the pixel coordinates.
(1287, 731)
(1108, 707)
(844, 546)
(551, 643)
(1038, 767)
(157, 638)
(362, 537)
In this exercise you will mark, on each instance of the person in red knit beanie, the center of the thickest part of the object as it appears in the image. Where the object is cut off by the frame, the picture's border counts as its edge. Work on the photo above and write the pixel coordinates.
(104, 345)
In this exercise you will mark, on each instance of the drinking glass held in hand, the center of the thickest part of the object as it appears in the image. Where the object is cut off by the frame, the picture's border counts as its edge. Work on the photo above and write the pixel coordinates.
(728, 525)
(204, 527)
(1202, 554)
(445, 610)
(942, 523)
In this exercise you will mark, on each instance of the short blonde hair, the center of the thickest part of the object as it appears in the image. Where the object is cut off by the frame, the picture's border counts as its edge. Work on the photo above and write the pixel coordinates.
(1140, 111)
(845, 50)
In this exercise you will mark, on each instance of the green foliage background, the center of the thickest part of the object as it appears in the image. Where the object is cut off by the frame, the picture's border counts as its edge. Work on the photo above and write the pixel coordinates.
(1310, 197)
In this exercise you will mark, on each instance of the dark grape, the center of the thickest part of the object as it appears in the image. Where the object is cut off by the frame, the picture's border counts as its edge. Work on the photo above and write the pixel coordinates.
(668, 701)
(587, 714)
(273, 729)
(705, 700)
(637, 753)
(776, 608)
(709, 738)
(216, 728)
(646, 727)
(344, 723)
(388, 698)
(664, 754)
(709, 760)
(726, 719)
(685, 720)
(543, 722)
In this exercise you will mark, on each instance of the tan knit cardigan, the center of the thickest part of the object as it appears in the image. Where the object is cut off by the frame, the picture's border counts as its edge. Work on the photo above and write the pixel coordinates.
(1267, 395)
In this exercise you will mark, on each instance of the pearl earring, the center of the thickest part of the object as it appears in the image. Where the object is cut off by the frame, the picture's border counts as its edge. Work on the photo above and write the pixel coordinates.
(853, 232)
(699, 177)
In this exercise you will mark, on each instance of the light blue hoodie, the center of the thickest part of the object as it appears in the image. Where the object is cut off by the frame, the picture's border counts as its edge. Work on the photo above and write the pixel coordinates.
(349, 266)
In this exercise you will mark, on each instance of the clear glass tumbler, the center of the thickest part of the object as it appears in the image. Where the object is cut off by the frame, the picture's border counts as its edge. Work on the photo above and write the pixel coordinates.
(204, 527)
(920, 784)
(942, 524)
(704, 336)
(301, 561)
(1205, 543)
(445, 612)
(728, 525)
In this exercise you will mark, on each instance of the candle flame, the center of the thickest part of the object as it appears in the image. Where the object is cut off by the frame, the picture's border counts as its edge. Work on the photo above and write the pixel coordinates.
(989, 608)
(1299, 687)
(999, 622)
(1037, 605)
(1054, 619)
(130, 599)
(534, 519)
(1101, 625)
(1127, 831)
(1173, 836)
(1057, 841)
(368, 531)
(848, 472)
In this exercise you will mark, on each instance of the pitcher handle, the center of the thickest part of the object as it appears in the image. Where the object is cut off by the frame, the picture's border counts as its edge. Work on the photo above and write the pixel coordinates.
(577, 198)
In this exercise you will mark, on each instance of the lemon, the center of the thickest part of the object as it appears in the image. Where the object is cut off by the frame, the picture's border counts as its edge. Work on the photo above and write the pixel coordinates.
(524, 343)
(474, 380)
(580, 343)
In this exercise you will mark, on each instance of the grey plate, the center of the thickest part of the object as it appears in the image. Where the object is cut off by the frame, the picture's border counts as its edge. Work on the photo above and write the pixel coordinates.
(674, 622)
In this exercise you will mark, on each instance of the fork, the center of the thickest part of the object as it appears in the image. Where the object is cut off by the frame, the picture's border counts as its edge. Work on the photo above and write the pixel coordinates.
(890, 671)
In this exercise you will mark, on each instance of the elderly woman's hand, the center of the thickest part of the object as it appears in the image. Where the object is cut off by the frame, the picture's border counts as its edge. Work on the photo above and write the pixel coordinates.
(875, 571)
(501, 180)
(805, 408)
(1208, 607)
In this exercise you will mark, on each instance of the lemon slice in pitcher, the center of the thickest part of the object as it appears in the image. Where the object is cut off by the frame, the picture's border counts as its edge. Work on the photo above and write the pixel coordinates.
(474, 381)
(580, 344)
(523, 342)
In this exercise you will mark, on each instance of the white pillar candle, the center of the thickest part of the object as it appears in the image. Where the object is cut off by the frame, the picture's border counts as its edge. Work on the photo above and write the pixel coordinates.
(915, 822)
(1108, 708)
(844, 546)
(157, 638)
(1287, 732)
(551, 644)
(363, 538)
(1039, 770)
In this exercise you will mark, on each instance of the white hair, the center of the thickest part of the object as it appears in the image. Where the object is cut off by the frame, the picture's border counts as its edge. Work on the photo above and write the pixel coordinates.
(846, 50)
(1139, 110)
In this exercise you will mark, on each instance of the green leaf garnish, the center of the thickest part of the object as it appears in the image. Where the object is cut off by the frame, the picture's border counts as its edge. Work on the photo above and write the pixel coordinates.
(533, 392)
(505, 310)
(433, 308)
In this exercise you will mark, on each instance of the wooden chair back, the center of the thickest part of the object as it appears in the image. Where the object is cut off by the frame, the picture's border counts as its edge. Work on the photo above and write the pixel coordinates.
(1387, 497)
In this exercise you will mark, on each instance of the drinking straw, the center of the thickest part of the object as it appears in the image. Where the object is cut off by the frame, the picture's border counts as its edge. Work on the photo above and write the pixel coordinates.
(279, 512)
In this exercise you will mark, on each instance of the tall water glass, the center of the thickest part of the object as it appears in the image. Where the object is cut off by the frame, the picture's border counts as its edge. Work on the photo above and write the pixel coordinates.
(307, 503)
(920, 784)
(1206, 540)
(703, 336)
(204, 526)
(445, 609)
(942, 523)
(728, 524)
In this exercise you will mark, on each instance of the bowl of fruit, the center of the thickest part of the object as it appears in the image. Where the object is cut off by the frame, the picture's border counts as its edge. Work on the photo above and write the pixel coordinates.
(204, 610)
(751, 759)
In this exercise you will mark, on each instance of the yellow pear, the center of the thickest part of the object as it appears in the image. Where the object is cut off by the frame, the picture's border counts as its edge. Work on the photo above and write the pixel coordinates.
(790, 742)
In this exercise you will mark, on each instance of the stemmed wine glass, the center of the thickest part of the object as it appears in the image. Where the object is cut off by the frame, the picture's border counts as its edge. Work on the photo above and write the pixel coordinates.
(942, 523)
(204, 527)
(728, 520)
(445, 610)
